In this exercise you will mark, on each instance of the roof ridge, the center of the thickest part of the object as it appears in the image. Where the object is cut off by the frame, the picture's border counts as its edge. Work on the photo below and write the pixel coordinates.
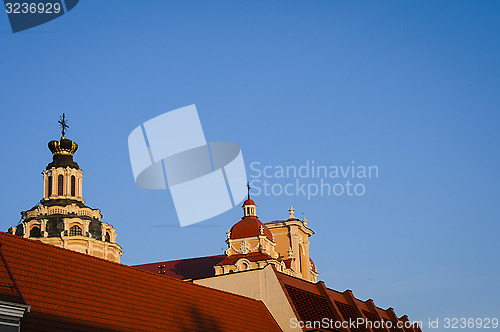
(59, 248)
(178, 260)
(9, 272)
(297, 278)
(86, 256)
(332, 290)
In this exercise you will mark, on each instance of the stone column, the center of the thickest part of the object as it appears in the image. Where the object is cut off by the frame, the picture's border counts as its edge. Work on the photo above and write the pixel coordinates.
(80, 181)
(44, 184)
(67, 184)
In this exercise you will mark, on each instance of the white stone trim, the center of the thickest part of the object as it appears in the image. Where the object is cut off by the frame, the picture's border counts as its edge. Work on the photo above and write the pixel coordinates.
(14, 311)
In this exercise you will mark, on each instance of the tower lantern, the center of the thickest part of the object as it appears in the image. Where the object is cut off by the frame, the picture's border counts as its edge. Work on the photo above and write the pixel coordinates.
(249, 207)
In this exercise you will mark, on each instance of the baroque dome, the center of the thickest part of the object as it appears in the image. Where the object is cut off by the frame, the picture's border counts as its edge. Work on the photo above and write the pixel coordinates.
(249, 202)
(249, 227)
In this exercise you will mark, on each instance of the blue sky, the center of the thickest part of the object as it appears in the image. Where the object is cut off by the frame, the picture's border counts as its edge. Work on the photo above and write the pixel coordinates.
(411, 87)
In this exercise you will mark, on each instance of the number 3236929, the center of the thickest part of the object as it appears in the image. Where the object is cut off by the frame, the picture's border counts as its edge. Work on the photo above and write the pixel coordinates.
(463, 323)
(32, 8)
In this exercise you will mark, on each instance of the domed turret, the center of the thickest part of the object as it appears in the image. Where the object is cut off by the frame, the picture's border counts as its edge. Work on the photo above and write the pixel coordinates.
(62, 150)
(249, 225)
(249, 207)
(281, 243)
(62, 218)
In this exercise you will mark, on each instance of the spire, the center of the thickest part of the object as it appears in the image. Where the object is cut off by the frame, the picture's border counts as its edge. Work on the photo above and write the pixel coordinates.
(63, 149)
(249, 207)
(63, 124)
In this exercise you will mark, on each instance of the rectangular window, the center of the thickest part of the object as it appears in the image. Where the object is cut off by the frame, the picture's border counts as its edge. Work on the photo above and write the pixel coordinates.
(73, 185)
(49, 187)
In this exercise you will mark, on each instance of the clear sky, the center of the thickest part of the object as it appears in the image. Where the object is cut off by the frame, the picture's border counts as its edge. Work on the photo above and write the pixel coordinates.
(410, 87)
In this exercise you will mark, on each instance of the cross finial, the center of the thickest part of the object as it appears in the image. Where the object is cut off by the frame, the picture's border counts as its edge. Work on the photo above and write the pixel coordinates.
(291, 210)
(248, 188)
(63, 124)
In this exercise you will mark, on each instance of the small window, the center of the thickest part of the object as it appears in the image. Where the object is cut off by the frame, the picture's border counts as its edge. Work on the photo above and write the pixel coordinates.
(49, 186)
(301, 258)
(35, 232)
(60, 185)
(73, 185)
(75, 230)
(107, 237)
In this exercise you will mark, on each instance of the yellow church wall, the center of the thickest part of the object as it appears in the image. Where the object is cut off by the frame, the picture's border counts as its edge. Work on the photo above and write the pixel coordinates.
(259, 284)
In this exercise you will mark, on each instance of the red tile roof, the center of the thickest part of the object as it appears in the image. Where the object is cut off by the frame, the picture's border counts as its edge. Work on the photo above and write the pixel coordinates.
(182, 269)
(313, 302)
(68, 290)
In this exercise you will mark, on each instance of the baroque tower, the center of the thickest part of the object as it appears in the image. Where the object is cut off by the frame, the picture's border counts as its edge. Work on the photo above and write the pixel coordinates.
(62, 218)
(281, 243)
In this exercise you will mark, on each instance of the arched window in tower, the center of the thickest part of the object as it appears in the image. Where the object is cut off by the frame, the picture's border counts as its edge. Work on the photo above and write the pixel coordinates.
(73, 185)
(49, 186)
(107, 237)
(75, 230)
(60, 185)
(35, 232)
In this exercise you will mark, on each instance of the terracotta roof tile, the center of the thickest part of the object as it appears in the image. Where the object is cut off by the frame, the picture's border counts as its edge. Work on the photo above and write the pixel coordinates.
(372, 317)
(69, 291)
(313, 302)
(310, 306)
(191, 268)
(349, 313)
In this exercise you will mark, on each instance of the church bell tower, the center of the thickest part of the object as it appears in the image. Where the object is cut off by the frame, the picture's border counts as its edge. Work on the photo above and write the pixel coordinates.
(62, 218)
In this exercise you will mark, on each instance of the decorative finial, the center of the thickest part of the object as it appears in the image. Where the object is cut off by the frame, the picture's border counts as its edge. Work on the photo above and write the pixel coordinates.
(304, 221)
(63, 124)
(248, 188)
(228, 233)
(291, 210)
(261, 229)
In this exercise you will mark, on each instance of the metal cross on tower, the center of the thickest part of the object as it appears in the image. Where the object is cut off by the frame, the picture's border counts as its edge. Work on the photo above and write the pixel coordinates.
(63, 124)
